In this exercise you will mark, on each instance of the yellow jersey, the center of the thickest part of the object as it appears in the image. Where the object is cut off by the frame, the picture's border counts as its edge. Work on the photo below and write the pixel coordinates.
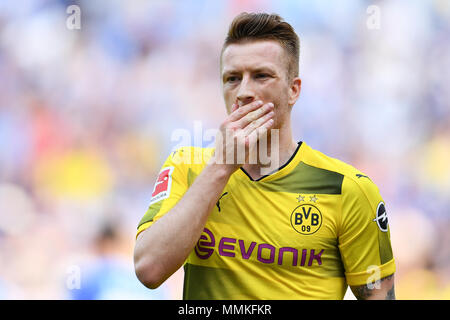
(306, 231)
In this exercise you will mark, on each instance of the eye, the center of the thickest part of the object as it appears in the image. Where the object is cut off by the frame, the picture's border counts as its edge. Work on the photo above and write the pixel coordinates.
(232, 79)
(261, 75)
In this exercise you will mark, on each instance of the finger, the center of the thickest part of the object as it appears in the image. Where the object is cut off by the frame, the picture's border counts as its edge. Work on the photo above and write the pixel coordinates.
(252, 126)
(244, 110)
(256, 134)
(234, 107)
(262, 130)
(253, 116)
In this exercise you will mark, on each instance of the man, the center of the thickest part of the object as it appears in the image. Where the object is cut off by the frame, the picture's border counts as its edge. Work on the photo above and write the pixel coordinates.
(306, 230)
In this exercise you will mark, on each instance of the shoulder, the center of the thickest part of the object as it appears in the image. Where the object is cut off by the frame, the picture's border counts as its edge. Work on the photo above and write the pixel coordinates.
(354, 181)
(189, 156)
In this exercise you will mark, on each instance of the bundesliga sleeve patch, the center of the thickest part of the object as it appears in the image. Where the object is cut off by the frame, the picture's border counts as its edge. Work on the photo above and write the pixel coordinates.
(162, 186)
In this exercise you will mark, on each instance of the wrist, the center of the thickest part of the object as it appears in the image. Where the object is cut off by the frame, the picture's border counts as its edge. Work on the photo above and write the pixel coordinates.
(220, 171)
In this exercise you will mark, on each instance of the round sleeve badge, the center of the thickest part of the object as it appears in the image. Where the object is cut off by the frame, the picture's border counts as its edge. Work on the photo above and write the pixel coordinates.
(306, 219)
(381, 219)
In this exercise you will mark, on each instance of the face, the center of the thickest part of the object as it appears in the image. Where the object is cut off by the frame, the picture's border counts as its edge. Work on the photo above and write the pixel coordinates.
(258, 70)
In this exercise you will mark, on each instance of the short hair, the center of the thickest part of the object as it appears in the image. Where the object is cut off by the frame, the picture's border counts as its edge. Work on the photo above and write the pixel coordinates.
(262, 26)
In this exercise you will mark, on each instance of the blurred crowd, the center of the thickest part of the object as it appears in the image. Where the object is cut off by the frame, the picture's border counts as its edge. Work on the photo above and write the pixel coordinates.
(87, 117)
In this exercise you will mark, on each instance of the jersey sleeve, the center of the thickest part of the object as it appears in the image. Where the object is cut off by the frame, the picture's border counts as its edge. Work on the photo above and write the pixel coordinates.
(364, 235)
(169, 188)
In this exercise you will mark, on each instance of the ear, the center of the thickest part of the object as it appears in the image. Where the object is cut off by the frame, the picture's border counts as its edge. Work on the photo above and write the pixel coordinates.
(294, 90)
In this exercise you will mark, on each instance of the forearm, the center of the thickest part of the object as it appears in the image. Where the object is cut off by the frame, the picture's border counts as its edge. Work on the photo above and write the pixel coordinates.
(162, 248)
(383, 290)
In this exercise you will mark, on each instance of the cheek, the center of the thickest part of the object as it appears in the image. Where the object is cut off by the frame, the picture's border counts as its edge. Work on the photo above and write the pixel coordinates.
(228, 99)
(277, 95)
(281, 109)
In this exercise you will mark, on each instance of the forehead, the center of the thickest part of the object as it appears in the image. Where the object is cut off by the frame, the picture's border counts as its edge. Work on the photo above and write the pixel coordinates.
(253, 55)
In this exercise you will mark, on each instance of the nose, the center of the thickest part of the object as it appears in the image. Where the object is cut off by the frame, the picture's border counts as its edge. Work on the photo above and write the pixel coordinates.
(246, 93)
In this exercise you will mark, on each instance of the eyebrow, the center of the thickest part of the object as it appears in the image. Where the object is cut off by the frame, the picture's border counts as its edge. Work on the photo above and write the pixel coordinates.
(265, 69)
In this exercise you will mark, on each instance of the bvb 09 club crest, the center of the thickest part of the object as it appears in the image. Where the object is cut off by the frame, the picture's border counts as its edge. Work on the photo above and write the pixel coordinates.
(306, 219)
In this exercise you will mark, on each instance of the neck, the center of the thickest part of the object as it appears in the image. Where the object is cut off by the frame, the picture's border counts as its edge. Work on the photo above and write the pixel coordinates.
(272, 154)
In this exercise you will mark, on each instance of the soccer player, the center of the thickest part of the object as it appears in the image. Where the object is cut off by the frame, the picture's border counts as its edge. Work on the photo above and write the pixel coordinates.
(308, 229)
